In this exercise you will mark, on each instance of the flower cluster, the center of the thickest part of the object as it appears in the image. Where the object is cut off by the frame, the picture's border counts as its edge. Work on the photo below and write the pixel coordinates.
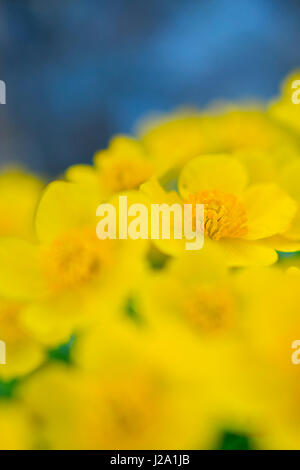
(140, 344)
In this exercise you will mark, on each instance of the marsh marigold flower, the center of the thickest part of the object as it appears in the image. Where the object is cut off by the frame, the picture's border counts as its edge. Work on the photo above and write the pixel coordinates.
(241, 219)
(69, 275)
(124, 166)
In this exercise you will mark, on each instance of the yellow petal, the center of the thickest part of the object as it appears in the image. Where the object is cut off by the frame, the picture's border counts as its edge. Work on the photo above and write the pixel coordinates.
(121, 147)
(281, 243)
(65, 206)
(245, 253)
(157, 194)
(82, 174)
(52, 322)
(269, 211)
(290, 178)
(23, 357)
(293, 232)
(218, 172)
(20, 276)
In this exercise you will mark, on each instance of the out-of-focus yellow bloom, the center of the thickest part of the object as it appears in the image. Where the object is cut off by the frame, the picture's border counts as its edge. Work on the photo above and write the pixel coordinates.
(19, 195)
(287, 108)
(23, 353)
(251, 129)
(15, 429)
(70, 275)
(197, 309)
(120, 400)
(272, 324)
(241, 219)
(266, 165)
(122, 167)
(177, 138)
(193, 291)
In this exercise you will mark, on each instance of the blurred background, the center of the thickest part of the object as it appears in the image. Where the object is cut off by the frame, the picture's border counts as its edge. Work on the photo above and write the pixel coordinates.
(79, 71)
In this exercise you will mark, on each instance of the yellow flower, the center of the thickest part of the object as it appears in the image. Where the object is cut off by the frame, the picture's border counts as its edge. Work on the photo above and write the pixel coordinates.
(122, 167)
(196, 308)
(121, 400)
(241, 219)
(272, 324)
(286, 109)
(234, 330)
(250, 129)
(19, 195)
(177, 138)
(69, 276)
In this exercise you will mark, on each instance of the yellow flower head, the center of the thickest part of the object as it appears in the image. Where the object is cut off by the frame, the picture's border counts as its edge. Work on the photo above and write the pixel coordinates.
(176, 139)
(121, 399)
(272, 325)
(69, 276)
(250, 129)
(241, 219)
(122, 167)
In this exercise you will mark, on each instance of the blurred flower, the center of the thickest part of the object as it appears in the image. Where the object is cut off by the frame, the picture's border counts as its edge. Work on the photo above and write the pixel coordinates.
(69, 276)
(271, 326)
(122, 167)
(120, 400)
(177, 138)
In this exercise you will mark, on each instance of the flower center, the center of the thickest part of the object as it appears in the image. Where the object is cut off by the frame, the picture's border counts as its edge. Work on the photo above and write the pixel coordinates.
(224, 215)
(210, 309)
(126, 174)
(75, 258)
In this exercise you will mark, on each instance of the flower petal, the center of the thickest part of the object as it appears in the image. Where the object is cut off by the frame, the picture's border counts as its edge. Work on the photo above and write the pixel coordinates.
(64, 206)
(281, 243)
(218, 172)
(290, 179)
(82, 174)
(244, 253)
(269, 210)
(20, 271)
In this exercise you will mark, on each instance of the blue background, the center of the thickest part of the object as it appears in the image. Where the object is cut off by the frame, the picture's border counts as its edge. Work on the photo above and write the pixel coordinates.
(79, 71)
